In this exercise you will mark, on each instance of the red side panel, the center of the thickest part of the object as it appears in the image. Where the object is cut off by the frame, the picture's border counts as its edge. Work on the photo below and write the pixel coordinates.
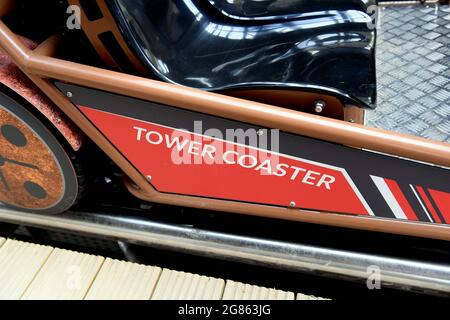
(192, 164)
(186, 152)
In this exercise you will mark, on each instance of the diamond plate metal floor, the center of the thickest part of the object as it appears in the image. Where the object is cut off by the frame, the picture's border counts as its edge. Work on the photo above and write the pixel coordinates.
(413, 71)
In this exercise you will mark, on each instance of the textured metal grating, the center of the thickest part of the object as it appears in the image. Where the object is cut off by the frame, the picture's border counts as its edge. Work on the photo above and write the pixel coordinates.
(413, 71)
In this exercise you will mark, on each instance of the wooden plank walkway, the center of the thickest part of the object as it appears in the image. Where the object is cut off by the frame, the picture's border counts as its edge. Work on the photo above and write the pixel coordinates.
(36, 272)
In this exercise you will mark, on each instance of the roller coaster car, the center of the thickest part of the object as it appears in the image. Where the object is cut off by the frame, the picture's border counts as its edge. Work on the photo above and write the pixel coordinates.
(250, 107)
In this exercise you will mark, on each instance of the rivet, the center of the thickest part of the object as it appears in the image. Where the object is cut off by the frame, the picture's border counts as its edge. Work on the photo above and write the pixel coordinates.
(69, 94)
(149, 178)
(319, 106)
(260, 132)
(292, 204)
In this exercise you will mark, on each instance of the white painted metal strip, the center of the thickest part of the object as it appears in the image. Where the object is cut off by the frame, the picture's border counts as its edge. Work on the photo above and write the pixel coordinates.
(19, 264)
(301, 296)
(65, 275)
(120, 280)
(175, 285)
(240, 291)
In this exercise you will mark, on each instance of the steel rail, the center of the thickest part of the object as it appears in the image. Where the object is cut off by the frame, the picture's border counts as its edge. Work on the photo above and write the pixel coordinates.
(394, 272)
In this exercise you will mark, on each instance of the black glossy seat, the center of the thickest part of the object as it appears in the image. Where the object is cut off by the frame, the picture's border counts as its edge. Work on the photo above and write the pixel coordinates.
(215, 45)
(284, 9)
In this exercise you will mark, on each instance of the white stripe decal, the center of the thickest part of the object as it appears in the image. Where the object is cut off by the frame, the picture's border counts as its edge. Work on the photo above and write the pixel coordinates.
(421, 203)
(389, 197)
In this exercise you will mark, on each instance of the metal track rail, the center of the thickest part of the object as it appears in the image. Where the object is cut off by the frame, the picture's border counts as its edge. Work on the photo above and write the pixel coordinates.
(400, 273)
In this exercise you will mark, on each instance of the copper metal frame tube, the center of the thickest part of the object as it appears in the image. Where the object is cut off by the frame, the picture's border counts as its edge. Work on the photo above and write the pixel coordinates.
(318, 127)
(39, 67)
(256, 113)
(6, 6)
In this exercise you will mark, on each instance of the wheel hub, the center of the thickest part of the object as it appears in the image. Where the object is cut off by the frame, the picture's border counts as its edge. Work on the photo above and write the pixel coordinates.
(30, 177)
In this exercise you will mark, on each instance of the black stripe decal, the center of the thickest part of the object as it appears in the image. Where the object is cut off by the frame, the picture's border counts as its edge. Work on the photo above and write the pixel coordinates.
(414, 202)
(422, 204)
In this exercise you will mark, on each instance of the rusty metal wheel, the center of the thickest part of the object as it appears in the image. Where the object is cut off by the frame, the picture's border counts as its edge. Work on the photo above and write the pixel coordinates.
(36, 174)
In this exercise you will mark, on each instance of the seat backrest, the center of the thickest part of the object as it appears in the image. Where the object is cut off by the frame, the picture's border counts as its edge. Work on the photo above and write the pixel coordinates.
(287, 9)
(189, 42)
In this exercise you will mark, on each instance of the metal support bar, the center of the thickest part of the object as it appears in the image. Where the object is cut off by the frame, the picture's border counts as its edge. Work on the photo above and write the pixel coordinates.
(400, 273)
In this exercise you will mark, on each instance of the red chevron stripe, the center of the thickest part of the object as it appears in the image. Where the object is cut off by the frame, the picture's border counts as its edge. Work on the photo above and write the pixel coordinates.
(428, 204)
(442, 201)
(401, 199)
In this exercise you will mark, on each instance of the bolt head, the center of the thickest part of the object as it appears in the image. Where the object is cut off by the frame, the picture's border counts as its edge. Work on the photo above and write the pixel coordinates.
(149, 178)
(69, 94)
(319, 106)
(260, 132)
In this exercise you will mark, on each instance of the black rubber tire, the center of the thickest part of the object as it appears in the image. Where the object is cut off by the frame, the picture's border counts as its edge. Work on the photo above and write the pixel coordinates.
(66, 160)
